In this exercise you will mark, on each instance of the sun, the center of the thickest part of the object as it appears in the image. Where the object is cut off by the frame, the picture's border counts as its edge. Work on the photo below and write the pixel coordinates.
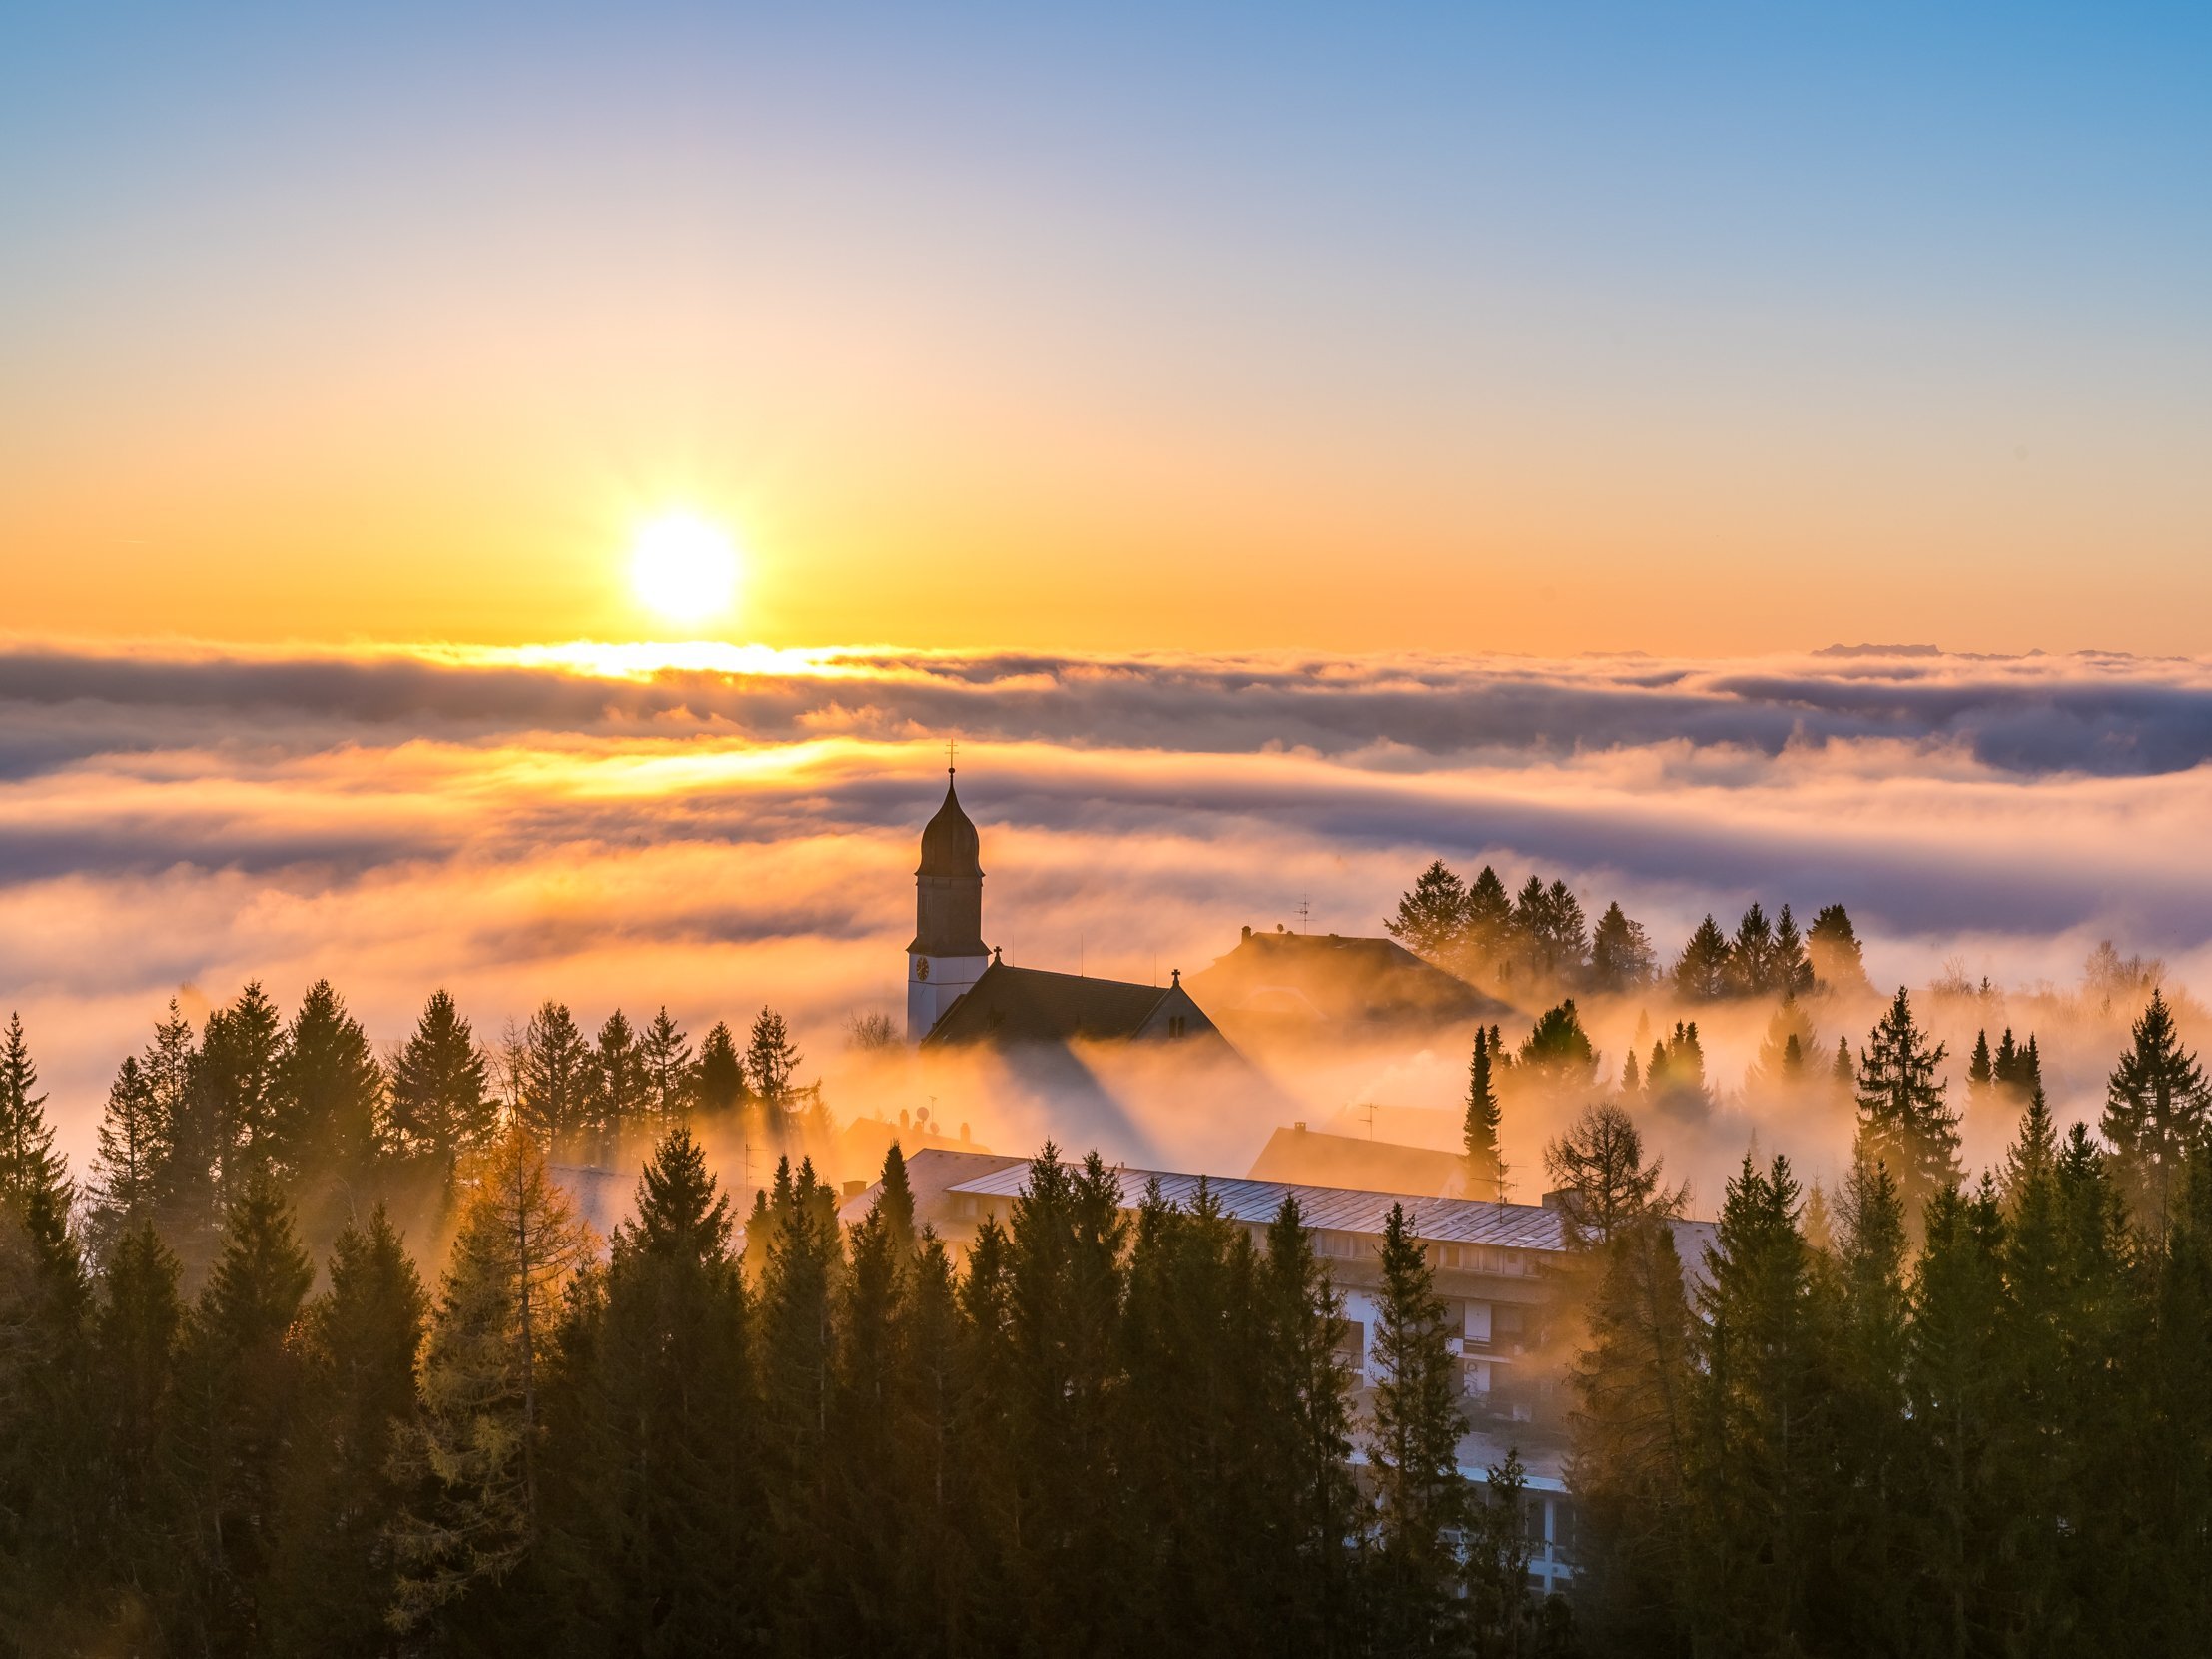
(683, 568)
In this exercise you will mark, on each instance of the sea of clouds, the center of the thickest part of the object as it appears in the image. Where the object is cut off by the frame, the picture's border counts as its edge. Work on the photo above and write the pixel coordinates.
(739, 829)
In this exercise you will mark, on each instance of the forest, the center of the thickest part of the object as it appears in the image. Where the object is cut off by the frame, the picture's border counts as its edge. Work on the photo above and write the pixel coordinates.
(320, 1358)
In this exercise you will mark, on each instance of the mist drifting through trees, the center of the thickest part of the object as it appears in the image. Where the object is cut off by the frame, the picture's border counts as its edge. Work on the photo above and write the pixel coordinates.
(317, 1354)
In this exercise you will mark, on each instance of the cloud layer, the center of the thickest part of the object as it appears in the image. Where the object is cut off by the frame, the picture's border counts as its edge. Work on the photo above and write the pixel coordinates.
(737, 828)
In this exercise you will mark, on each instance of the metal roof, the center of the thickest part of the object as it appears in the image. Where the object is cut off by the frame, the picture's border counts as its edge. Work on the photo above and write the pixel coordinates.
(1526, 1227)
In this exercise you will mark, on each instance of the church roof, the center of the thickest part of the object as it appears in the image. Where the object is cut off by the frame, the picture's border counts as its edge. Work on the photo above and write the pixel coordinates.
(1030, 1005)
(950, 845)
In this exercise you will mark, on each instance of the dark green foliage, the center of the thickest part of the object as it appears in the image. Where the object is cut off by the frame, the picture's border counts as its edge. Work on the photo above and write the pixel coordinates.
(1550, 933)
(556, 1079)
(1621, 953)
(719, 1082)
(1673, 1079)
(671, 1073)
(1603, 1183)
(1413, 1445)
(1903, 1120)
(1557, 1050)
(1432, 917)
(234, 1082)
(442, 1103)
(1753, 967)
(329, 1129)
(620, 1090)
(1480, 1124)
(771, 1060)
(1831, 951)
(1702, 973)
(2157, 1113)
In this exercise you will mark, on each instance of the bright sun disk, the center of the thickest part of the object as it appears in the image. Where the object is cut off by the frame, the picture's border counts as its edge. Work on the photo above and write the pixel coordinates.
(683, 568)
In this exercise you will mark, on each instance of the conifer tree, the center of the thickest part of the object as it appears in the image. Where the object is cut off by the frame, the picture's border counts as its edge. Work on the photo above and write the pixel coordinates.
(1953, 1383)
(1557, 1050)
(470, 1453)
(1306, 1416)
(2157, 1113)
(1832, 948)
(28, 1160)
(1872, 1311)
(1063, 1277)
(1751, 965)
(721, 1074)
(133, 1150)
(1479, 1129)
(328, 1128)
(1790, 1040)
(1763, 1380)
(1792, 965)
(1980, 1073)
(234, 1074)
(864, 1390)
(333, 1576)
(442, 1107)
(557, 1079)
(771, 1060)
(799, 1356)
(1621, 953)
(1903, 1119)
(618, 1085)
(671, 1074)
(1413, 1447)
(665, 1499)
(1496, 1569)
(1488, 928)
(136, 1333)
(1701, 972)
(1632, 1429)
(1431, 920)
(1675, 1081)
(240, 1388)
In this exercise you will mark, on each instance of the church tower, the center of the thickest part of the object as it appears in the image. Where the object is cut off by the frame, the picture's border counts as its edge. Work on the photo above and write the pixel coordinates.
(948, 954)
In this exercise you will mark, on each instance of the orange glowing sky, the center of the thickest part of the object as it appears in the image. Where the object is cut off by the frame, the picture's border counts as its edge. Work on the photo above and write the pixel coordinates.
(1131, 331)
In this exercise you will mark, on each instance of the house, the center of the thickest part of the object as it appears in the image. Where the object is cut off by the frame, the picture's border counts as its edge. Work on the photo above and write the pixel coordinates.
(1312, 984)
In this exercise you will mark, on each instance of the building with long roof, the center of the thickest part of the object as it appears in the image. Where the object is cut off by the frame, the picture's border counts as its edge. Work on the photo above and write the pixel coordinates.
(1497, 1271)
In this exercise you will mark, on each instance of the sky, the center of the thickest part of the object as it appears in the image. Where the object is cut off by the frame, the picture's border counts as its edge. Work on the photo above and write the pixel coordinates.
(1284, 445)
(1704, 331)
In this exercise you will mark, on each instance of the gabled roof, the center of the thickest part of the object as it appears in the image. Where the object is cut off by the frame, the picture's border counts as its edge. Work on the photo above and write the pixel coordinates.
(1029, 1005)
(1337, 977)
(1316, 1157)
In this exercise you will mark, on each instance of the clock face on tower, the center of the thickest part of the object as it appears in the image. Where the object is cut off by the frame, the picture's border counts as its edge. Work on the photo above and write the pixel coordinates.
(921, 967)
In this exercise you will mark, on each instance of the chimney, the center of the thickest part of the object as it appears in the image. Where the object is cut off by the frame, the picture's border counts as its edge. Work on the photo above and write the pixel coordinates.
(854, 1189)
(1247, 933)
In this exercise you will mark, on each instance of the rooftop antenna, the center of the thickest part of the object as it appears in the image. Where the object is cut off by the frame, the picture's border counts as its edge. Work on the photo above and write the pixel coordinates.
(1366, 1108)
(1306, 911)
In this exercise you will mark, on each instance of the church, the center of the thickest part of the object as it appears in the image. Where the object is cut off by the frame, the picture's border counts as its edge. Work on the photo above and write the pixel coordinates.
(959, 991)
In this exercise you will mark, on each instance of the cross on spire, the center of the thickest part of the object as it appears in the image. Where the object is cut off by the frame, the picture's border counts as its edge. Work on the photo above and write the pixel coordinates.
(951, 748)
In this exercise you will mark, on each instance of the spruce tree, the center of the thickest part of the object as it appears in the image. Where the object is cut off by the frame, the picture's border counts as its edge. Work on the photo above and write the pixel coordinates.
(136, 1334)
(1761, 1478)
(1557, 1050)
(619, 1085)
(1431, 919)
(470, 1453)
(799, 1358)
(671, 1074)
(234, 1074)
(1872, 1311)
(557, 1079)
(1488, 928)
(1632, 1438)
(1621, 953)
(328, 1126)
(1833, 951)
(333, 1576)
(240, 1393)
(1903, 1119)
(442, 1107)
(1790, 1038)
(720, 1080)
(666, 1505)
(1792, 965)
(1675, 1082)
(1702, 973)
(28, 1160)
(1751, 965)
(771, 1060)
(133, 1151)
(1980, 1073)
(1413, 1447)
(1480, 1124)
(1063, 1277)
(1305, 1416)
(2156, 1111)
